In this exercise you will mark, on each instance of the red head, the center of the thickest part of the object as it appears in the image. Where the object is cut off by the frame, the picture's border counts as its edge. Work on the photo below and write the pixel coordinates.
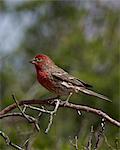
(41, 61)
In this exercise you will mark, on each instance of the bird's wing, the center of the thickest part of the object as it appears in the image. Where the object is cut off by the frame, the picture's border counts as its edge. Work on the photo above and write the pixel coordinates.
(84, 87)
(64, 76)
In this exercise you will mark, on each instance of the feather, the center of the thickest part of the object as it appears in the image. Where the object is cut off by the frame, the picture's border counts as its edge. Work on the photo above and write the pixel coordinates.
(92, 93)
(64, 76)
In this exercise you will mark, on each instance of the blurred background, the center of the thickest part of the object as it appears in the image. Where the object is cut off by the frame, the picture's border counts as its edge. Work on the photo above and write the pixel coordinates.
(81, 36)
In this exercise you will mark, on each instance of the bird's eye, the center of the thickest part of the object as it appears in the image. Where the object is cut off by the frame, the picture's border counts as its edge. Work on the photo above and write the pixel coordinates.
(38, 60)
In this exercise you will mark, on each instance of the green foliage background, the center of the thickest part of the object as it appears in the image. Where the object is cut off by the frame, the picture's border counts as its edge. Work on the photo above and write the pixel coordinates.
(83, 37)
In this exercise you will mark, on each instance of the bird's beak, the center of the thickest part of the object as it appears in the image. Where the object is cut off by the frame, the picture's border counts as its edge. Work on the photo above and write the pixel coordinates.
(32, 61)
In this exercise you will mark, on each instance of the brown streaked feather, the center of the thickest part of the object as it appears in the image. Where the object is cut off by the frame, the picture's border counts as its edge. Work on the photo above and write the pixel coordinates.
(92, 93)
(83, 87)
(64, 76)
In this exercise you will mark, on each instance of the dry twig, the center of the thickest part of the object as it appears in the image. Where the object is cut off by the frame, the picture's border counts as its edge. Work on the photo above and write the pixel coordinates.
(30, 119)
(100, 134)
(75, 145)
(89, 144)
(46, 111)
(52, 102)
(8, 141)
(57, 103)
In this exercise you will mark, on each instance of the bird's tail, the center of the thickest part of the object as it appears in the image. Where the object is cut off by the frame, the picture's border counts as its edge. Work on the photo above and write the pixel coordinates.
(92, 93)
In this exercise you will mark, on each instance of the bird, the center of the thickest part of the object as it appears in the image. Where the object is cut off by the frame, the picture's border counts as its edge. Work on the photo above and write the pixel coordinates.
(58, 81)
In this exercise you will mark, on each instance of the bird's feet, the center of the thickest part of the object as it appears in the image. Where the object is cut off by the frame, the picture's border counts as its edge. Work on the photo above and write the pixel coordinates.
(67, 100)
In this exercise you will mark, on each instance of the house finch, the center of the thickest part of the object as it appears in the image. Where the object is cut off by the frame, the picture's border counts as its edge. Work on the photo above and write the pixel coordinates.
(59, 81)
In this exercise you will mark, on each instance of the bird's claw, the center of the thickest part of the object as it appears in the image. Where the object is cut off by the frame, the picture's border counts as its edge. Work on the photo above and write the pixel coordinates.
(65, 103)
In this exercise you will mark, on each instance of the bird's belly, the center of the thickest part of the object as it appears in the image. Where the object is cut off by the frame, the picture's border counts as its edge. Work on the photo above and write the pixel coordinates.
(55, 86)
(47, 83)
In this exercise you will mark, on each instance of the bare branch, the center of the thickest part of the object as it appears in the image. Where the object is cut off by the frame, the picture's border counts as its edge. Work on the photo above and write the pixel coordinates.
(51, 116)
(30, 119)
(100, 134)
(75, 145)
(52, 102)
(56, 103)
(8, 141)
(29, 141)
(89, 144)
(46, 111)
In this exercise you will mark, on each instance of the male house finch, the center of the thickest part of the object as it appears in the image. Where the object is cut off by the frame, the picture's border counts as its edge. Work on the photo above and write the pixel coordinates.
(58, 81)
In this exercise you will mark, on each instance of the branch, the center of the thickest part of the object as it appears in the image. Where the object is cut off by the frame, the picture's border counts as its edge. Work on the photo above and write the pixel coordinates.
(75, 145)
(52, 102)
(89, 144)
(100, 134)
(30, 119)
(8, 141)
